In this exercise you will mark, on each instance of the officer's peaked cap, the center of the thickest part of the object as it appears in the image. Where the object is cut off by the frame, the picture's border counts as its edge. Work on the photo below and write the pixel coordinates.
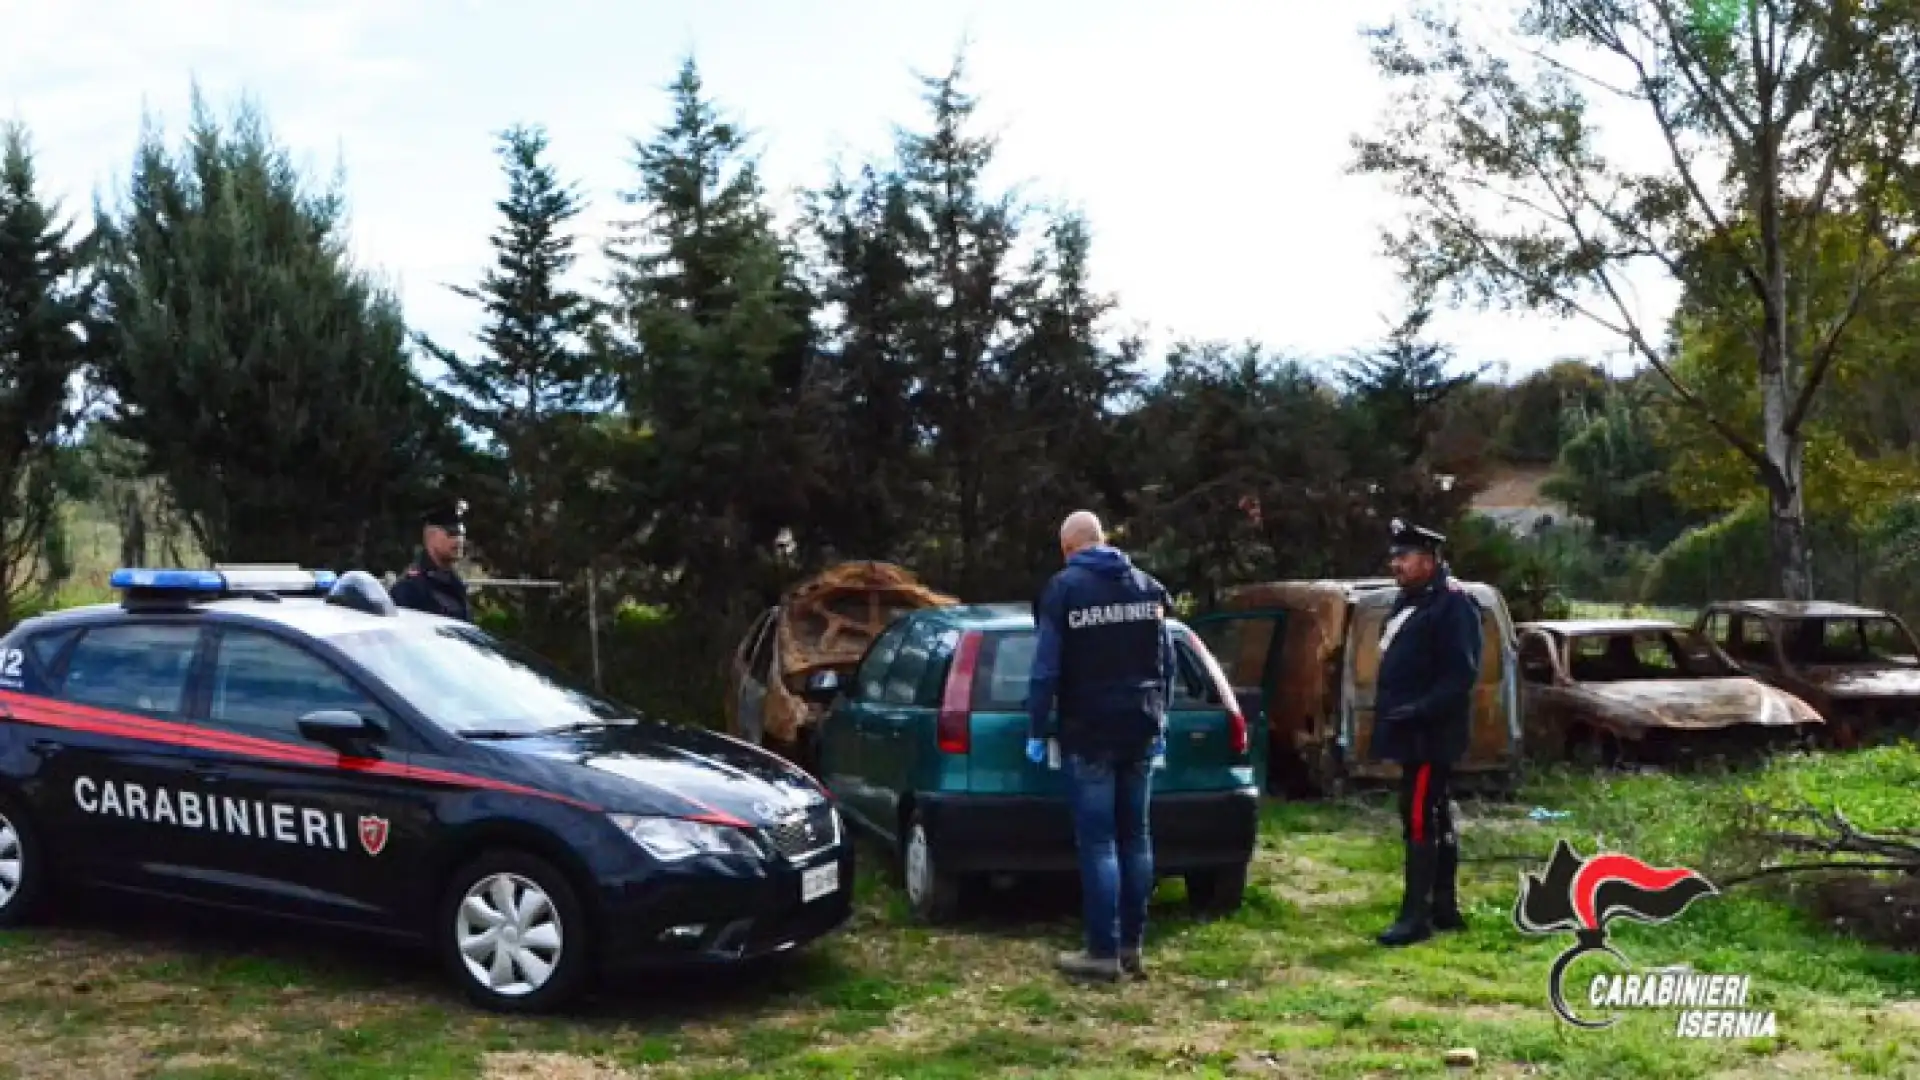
(1406, 538)
(450, 515)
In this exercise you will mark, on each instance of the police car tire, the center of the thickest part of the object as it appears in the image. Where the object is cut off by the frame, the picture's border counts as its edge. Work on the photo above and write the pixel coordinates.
(576, 948)
(24, 902)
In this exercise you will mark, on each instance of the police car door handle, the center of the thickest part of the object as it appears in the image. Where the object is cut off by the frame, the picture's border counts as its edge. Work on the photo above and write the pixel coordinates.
(896, 724)
(208, 773)
(46, 748)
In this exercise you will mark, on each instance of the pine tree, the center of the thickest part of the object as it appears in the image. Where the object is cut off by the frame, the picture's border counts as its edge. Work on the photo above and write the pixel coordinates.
(965, 305)
(263, 376)
(717, 345)
(865, 230)
(1399, 394)
(534, 394)
(1244, 477)
(44, 345)
(1056, 437)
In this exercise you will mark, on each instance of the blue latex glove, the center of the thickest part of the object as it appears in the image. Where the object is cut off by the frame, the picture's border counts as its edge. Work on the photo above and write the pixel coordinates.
(1159, 747)
(1036, 750)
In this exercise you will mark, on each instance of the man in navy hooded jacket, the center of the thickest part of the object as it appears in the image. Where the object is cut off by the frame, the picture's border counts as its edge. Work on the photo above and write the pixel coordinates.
(1104, 652)
(1430, 649)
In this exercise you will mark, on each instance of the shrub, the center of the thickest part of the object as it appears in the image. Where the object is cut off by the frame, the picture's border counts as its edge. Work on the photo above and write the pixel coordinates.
(1723, 560)
(647, 661)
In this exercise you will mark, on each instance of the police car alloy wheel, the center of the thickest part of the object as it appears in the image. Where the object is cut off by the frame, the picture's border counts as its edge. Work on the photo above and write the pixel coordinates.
(514, 933)
(19, 866)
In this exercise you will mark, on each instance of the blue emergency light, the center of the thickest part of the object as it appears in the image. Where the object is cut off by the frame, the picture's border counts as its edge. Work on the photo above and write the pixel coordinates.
(226, 581)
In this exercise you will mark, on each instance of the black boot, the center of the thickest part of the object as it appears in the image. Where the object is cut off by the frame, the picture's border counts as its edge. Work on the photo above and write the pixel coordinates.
(1415, 922)
(1446, 900)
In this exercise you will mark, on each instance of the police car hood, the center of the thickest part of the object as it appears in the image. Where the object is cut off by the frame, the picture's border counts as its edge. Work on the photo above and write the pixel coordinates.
(656, 767)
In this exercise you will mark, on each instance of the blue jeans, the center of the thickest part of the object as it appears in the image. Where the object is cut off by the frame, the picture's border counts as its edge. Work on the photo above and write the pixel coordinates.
(1116, 850)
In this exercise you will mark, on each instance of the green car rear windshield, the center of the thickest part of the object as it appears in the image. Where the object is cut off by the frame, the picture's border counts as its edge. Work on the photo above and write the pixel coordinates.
(1006, 662)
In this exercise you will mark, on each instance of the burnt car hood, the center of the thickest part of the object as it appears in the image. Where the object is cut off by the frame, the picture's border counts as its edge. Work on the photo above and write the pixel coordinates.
(1700, 703)
(1878, 682)
(655, 767)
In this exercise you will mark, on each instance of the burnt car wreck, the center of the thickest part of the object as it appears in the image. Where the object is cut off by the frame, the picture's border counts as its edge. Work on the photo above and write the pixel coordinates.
(1304, 656)
(1857, 666)
(1616, 691)
(824, 624)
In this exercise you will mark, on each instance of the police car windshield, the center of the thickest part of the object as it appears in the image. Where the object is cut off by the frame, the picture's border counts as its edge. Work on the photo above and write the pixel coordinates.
(472, 684)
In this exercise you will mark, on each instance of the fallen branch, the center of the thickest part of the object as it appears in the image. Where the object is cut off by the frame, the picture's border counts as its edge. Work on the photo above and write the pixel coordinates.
(1780, 869)
(1835, 834)
(1831, 835)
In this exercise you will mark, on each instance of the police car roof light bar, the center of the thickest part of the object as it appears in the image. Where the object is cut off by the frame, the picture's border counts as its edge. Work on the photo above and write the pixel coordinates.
(151, 587)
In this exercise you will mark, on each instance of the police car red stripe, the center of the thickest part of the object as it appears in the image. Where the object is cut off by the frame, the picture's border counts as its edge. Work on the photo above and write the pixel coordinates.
(43, 712)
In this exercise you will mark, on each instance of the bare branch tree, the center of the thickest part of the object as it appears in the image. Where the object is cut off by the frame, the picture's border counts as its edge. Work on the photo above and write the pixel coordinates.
(1774, 117)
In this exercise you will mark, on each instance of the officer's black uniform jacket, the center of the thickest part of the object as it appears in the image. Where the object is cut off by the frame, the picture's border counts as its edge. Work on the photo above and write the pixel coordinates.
(426, 587)
(1104, 652)
(1430, 659)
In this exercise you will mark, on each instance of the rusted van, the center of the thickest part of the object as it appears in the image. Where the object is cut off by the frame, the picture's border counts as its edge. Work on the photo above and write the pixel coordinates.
(1304, 654)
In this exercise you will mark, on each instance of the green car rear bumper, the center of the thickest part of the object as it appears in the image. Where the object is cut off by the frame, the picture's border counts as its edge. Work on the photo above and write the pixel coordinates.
(1034, 834)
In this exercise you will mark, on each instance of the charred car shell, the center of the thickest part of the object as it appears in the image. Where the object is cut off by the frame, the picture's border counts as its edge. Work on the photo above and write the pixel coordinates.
(1855, 665)
(824, 624)
(1304, 656)
(1599, 691)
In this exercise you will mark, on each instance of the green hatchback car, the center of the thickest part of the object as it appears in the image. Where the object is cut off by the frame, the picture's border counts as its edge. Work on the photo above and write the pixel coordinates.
(924, 748)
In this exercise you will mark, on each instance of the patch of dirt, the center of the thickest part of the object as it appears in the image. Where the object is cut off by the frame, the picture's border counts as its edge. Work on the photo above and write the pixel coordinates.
(1785, 1063)
(1307, 883)
(1496, 1014)
(199, 1062)
(32, 1052)
(1267, 1064)
(1901, 1012)
(1313, 898)
(1515, 487)
(1878, 909)
(551, 1066)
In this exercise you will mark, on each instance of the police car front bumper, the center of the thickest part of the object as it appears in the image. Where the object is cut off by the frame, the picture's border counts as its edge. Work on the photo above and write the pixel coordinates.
(701, 913)
(1015, 834)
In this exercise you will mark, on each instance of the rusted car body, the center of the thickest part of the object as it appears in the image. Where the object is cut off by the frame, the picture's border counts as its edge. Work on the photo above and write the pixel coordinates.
(1858, 666)
(822, 624)
(1605, 691)
(1305, 654)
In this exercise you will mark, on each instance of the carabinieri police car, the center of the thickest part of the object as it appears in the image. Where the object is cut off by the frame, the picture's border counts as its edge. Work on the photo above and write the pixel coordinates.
(290, 743)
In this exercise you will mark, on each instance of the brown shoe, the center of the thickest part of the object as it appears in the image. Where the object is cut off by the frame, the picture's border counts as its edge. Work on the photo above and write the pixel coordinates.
(1078, 965)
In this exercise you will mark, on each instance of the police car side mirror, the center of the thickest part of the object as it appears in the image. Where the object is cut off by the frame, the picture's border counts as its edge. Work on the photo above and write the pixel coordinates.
(822, 687)
(339, 728)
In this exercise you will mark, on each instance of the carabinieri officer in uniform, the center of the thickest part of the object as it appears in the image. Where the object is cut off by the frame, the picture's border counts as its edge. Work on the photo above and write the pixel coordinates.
(431, 584)
(1105, 655)
(1429, 662)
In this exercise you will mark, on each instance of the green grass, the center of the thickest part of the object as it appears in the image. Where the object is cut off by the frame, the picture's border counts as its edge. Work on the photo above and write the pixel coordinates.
(1289, 986)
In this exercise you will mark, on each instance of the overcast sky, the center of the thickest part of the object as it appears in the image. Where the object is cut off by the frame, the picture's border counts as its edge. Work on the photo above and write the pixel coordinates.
(1206, 140)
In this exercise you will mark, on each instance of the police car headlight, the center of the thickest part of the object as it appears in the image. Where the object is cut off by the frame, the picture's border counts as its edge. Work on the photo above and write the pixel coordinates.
(670, 839)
